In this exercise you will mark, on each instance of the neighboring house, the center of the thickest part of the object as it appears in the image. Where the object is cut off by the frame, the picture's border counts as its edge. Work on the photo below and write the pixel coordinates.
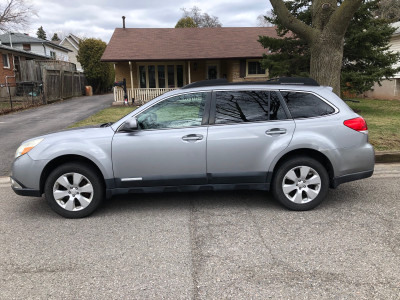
(72, 43)
(34, 45)
(390, 89)
(155, 60)
(10, 71)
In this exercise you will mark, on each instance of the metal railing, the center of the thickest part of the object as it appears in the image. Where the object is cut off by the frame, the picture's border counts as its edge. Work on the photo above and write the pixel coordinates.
(141, 96)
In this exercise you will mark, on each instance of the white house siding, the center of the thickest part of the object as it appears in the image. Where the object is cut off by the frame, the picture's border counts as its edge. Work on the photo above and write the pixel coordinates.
(44, 49)
(72, 55)
(395, 46)
(390, 89)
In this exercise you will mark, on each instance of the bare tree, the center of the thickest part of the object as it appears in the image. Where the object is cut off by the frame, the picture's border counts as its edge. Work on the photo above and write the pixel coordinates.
(389, 9)
(15, 14)
(262, 20)
(201, 20)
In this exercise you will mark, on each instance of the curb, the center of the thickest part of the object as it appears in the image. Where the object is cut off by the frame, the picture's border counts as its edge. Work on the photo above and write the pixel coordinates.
(387, 156)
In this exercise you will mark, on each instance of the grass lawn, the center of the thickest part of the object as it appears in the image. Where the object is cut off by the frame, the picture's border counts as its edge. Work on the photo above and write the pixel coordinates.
(383, 120)
(6, 105)
(110, 114)
(382, 116)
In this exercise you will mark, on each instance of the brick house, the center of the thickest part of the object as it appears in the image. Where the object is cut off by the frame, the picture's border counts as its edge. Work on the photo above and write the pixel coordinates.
(10, 61)
(156, 60)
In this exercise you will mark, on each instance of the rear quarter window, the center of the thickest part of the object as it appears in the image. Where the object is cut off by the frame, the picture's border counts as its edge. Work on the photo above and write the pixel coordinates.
(306, 105)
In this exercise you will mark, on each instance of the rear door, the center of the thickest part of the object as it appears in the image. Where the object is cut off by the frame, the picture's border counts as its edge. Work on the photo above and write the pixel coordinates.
(247, 130)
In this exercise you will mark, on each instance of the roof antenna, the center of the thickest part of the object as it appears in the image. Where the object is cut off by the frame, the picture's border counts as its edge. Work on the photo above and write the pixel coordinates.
(123, 21)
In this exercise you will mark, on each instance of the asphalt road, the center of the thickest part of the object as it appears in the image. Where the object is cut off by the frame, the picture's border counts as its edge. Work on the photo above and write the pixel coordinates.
(20, 126)
(225, 245)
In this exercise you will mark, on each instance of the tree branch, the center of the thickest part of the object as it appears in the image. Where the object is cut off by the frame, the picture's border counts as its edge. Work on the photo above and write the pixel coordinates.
(291, 22)
(341, 18)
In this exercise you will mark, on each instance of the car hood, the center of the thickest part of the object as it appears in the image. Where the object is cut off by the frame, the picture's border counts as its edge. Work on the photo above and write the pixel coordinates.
(77, 132)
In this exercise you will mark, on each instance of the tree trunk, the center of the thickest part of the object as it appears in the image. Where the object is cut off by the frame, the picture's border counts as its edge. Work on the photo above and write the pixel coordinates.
(326, 61)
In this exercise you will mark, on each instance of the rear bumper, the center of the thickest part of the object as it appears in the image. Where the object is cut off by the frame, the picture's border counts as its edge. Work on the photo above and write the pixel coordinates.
(351, 177)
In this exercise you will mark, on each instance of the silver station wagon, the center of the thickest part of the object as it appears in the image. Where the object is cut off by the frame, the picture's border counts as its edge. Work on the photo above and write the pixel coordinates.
(290, 135)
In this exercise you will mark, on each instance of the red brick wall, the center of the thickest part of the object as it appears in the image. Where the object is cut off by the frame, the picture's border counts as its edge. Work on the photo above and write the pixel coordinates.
(6, 71)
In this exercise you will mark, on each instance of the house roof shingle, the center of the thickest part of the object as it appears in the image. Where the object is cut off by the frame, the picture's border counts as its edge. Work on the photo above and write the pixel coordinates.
(141, 44)
(21, 38)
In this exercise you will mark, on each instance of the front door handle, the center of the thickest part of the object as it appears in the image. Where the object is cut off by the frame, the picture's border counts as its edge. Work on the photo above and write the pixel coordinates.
(275, 131)
(192, 137)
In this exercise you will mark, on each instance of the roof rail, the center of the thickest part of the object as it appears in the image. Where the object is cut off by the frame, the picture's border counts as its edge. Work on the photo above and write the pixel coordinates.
(272, 81)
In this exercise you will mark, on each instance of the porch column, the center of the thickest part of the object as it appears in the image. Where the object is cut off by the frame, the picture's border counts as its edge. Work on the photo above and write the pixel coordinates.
(190, 81)
(130, 70)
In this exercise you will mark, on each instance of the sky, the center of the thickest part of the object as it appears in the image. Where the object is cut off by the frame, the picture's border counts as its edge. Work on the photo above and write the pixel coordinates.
(99, 18)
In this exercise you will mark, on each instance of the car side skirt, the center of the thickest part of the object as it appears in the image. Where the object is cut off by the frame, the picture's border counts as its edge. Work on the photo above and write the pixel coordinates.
(188, 188)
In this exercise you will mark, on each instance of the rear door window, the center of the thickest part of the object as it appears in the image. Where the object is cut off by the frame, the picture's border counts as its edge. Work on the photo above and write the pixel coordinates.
(247, 106)
(306, 105)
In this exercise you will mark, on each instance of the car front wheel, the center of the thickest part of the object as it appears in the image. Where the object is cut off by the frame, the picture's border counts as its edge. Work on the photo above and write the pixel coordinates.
(73, 190)
(300, 183)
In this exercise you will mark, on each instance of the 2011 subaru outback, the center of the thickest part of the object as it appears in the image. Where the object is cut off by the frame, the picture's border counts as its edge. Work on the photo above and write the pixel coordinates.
(290, 136)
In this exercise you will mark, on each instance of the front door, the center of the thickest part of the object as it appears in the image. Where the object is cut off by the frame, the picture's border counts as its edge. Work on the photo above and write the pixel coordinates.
(169, 148)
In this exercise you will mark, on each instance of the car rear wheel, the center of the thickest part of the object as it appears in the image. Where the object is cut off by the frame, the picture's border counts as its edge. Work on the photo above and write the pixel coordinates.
(74, 191)
(301, 183)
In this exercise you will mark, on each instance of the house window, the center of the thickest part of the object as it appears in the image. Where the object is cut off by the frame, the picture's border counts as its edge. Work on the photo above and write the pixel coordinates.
(142, 77)
(254, 69)
(53, 54)
(6, 61)
(26, 47)
(171, 76)
(160, 76)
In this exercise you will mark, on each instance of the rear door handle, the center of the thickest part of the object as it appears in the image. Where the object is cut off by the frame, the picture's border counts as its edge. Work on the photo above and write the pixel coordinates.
(275, 131)
(192, 137)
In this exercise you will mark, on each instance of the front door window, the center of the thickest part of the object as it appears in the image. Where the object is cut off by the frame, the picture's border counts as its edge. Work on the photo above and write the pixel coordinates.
(176, 112)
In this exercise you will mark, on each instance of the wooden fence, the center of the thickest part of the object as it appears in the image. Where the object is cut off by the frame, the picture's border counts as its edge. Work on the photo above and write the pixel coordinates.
(60, 79)
(58, 84)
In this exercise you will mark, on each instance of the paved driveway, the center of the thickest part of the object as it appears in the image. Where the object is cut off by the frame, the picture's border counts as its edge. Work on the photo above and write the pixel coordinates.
(19, 126)
(225, 245)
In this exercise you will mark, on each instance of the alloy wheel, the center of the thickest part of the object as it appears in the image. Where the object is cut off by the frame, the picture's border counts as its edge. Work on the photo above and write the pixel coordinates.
(73, 191)
(301, 184)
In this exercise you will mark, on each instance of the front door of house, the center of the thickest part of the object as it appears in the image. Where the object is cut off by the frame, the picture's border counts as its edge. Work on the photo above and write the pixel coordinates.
(212, 72)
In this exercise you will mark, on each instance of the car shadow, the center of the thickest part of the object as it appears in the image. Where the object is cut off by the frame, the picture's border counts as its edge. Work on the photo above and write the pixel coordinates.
(158, 202)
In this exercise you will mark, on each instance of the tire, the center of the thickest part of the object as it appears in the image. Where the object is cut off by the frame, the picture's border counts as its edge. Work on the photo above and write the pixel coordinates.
(300, 183)
(74, 191)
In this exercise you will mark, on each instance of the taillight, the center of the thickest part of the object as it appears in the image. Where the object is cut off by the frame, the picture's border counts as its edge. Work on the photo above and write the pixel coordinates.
(357, 124)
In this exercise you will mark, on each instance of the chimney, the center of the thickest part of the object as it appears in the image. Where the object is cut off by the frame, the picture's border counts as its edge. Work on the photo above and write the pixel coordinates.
(123, 21)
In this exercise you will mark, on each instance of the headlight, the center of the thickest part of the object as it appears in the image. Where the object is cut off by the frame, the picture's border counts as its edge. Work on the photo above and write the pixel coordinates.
(26, 147)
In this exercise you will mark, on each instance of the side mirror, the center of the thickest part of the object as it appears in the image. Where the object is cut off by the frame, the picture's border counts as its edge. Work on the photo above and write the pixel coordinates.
(130, 125)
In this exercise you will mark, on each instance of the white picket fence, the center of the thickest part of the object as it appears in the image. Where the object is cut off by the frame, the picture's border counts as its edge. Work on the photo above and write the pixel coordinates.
(141, 96)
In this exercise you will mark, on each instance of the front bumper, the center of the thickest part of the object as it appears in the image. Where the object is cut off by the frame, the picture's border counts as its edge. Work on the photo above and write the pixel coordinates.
(25, 175)
(21, 190)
